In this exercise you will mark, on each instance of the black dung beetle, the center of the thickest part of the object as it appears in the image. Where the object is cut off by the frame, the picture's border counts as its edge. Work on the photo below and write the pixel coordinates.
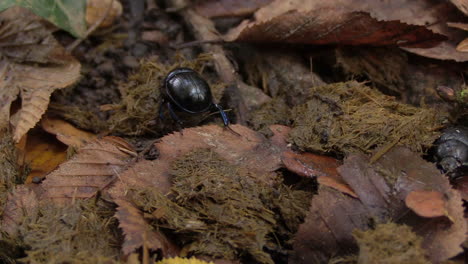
(452, 151)
(185, 89)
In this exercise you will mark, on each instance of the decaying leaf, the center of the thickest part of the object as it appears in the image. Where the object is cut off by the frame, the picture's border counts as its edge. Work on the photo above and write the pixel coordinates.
(22, 202)
(138, 232)
(93, 168)
(426, 203)
(382, 188)
(416, 25)
(228, 8)
(462, 5)
(42, 154)
(322, 167)
(250, 149)
(66, 132)
(68, 15)
(463, 45)
(337, 22)
(461, 184)
(95, 9)
(55, 70)
(326, 231)
(36, 84)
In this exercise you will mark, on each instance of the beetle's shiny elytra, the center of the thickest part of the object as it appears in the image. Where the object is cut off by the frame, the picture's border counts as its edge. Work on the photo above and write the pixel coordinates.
(186, 89)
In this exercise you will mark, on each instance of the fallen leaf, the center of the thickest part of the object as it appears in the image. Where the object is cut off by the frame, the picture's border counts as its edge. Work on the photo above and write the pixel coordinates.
(56, 69)
(93, 168)
(67, 133)
(357, 22)
(382, 189)
(36, 84)
(138, 232)
(461, 184)
(426, 203)
(462, 5)
(68, 15)
(327, 229)
(25, 38)
(95, 9)
(21, 202)
(462, 26)
(463, 45)
(251, 149)
(322, 167)
(417, 26)
(228, 8)
(42, 154)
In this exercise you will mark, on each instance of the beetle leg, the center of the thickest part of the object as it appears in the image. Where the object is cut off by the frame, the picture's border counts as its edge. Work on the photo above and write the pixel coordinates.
(223, 114)
(161, 116)
(225, 119)
(175, 117)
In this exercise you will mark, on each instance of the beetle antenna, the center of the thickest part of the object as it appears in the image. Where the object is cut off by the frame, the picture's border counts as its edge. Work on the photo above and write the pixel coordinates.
(225, 119)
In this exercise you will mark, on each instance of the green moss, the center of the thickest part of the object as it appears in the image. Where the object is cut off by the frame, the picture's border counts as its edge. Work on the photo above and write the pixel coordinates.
(351, 117)
(78, 233)
(273, 112)
(138, 111)
(9, 173)
(223, 210)
(390, 244)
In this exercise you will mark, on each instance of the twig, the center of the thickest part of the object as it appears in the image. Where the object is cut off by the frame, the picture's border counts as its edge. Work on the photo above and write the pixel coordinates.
(90, 30)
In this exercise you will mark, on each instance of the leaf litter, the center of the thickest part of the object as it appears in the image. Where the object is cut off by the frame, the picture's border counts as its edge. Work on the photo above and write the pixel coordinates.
(220, 165)
(382, 188)
(35, 84)
(202, 168)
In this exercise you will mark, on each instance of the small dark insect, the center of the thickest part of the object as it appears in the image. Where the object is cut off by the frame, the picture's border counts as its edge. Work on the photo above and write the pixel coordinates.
(185, 90)
(452, 151)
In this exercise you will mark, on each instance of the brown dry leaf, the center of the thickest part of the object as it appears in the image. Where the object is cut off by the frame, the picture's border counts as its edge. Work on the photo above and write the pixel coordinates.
(95, 9)
(426, 203)
(138, 232)
(463, 45)
(24, 40)
(42, 154)
(461, 184)
(382, 188)
(228, 8)
(462, 5)
(93, 168)
(326, 231)
(415, 25)
(36, 84)
(66, 132)
(21, 202)
(462, 26)
(251, 149)
(25, 37)
(355, 22)
(322, 167)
